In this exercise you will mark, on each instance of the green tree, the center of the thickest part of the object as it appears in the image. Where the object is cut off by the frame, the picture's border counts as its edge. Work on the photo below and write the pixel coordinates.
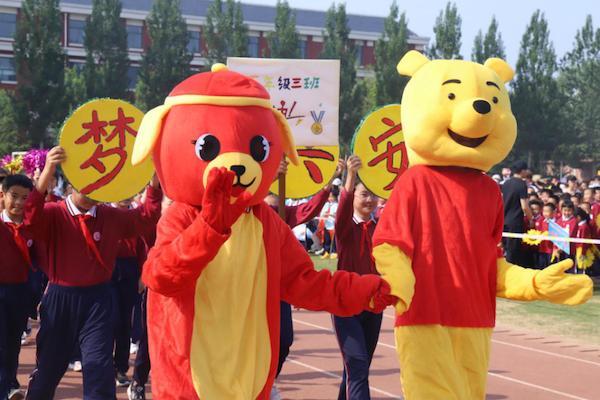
(105, 44)
(337, 45)
(490, 46)
(536, 101)
(10, 138)
(447, 31)
(166, 62)
(39, 61)
(389, 49)
(225, 31)
(75, 91)
(579, 82)
(284, 41)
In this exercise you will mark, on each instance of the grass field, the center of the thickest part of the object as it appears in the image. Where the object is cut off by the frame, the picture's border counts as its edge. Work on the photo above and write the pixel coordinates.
(581, 323)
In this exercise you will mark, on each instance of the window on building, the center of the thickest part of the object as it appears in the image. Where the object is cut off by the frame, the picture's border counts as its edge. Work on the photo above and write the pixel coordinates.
(359, 53)
(76, 30)
(134, 36)
(8, 24)
(252, 46)
(7, 70)
(193, 41)
(132, 75)
(302, 47)
(78, 66)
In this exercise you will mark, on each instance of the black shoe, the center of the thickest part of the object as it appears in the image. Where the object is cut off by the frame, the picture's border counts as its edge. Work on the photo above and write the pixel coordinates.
(136, 391)
(122, 380)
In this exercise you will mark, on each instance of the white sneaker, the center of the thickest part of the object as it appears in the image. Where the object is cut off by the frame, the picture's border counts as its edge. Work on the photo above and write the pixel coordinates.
(77, 367)
(23, 339)
(133, 348)
(274, 394)
(320, 251)
(16, 394)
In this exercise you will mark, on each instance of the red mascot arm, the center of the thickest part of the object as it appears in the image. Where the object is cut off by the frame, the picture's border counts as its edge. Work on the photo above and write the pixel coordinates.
(188, 239)
(342, 293)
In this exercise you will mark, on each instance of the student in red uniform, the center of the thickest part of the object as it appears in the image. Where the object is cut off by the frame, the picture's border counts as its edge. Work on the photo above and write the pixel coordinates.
(544, 253)
(584, 231)
(15, 297)
(78, 308)
(568, 222)
(357, 335)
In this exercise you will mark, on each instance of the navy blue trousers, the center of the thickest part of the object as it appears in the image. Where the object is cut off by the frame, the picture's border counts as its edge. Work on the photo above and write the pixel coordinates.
(357, 337)
(141, 368)
(286, 333)
(15, 304)
(72, 317)
(125, 284)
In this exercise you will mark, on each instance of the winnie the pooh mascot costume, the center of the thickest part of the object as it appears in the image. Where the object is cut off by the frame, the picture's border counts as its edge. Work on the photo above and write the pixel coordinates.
(223, 259)
(437, 241)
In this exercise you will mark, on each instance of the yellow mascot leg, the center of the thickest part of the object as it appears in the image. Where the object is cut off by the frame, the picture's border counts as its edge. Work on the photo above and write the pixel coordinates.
(442, 363)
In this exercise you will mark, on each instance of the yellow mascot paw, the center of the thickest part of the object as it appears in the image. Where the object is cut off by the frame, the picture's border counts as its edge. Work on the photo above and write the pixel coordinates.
(555, 286)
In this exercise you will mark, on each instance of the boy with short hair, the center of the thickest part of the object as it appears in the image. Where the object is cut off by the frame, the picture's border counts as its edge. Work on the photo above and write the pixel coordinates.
(568, 222)
(584, 231)
(545, 248)
(78, 309)
(15, 297)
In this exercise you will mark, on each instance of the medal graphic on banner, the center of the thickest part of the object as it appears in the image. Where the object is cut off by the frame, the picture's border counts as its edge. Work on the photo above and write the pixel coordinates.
(316, 127)
(98, 140)
(379, 143)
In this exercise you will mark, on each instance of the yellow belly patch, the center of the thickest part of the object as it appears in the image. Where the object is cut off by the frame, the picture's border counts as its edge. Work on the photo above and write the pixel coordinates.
(230, 349)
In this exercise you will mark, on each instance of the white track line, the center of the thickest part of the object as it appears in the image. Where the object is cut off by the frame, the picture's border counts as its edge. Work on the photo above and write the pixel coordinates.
(549, 353)
(570, 396)
(332, 375)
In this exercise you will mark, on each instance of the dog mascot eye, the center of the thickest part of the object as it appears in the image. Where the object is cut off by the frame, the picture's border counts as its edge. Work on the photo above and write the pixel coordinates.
(207, 147)
(259, 148)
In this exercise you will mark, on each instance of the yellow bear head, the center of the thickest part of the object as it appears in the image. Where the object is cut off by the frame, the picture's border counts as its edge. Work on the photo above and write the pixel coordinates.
(455, 112)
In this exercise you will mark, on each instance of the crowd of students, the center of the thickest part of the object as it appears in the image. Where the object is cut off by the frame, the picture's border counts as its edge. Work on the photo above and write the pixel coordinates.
(533, 204)
(79, 263)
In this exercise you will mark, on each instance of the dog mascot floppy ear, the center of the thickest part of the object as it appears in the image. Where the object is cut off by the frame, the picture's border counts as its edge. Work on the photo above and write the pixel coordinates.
(223, 259)
(437, 242)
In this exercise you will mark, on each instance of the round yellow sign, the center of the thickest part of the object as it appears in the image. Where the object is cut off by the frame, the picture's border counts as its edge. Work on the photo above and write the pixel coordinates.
(98, 140)
(379, 143)
(315, 169)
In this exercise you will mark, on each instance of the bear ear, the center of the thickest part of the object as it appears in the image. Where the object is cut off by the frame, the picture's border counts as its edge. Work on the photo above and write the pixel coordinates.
(501, 67)
(148, 134)
(411, 62)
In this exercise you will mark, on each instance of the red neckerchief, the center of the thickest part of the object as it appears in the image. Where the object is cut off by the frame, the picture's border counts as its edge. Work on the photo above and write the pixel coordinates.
(365, 238)
(22, 246)
(88, 238)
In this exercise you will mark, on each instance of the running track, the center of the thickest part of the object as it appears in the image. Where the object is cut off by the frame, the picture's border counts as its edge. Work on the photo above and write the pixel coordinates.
(524, 366)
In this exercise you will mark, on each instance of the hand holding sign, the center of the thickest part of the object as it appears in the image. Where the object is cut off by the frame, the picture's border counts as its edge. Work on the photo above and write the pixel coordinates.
(98, 139)
(54, 157)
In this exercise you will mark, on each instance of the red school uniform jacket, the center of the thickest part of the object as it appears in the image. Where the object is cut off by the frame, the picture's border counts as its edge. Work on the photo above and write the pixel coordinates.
(353, 238)
(213, 301)
(16, 258)
(435, 216)
(71, 261)
(545, 246)
(571, 226)
(584, 231)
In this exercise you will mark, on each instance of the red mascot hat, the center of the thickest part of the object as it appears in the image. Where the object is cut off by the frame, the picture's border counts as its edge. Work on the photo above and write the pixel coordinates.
(211, 120)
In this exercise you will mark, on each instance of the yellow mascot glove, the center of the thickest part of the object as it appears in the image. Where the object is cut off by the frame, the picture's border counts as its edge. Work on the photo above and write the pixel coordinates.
(557, 287)
(396, 269)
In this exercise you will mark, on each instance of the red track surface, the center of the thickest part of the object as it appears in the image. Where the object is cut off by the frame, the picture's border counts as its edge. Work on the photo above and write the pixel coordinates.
(524, 366)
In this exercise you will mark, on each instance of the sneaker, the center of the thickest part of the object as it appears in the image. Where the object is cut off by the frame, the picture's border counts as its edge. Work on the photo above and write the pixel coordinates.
(136, 392)
(122, 380)
(133, 348)
(77, 366)
(319, 252)
(24, 339)
(274, 394)
(333, 256)
(16, 394)
(325, 256)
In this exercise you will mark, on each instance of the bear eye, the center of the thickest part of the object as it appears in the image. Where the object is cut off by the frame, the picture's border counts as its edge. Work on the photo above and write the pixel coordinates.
(451, 96)
(259, 148)
(207, 147)
(495, 100)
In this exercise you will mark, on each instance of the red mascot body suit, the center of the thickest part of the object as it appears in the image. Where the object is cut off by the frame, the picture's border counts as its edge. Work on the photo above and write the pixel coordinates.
(223, 259)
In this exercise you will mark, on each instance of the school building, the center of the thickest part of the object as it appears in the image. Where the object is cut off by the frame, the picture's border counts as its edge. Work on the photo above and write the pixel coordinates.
(365, 30)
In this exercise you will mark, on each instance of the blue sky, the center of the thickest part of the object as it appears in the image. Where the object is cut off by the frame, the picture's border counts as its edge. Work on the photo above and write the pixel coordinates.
(564, 17)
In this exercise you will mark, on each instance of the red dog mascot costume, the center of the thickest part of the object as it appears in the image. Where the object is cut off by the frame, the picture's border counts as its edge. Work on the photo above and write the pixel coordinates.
(223, 259)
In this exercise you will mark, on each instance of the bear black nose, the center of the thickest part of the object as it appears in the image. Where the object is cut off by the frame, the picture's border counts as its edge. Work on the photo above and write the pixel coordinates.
(238, 169)
(482, 106)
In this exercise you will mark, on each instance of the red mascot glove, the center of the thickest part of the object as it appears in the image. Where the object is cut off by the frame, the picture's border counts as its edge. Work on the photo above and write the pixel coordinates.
(382, 298)
(217, 210)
